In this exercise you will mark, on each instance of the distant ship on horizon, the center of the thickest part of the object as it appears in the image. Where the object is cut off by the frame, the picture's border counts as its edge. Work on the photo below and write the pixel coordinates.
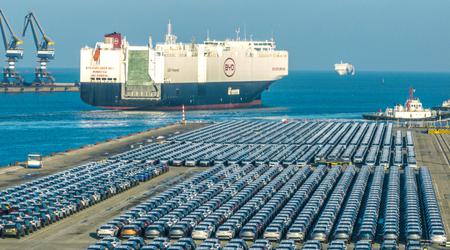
(344, 69)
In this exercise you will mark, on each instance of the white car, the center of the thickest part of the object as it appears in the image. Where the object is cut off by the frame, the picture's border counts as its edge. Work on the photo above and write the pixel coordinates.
(107, 230)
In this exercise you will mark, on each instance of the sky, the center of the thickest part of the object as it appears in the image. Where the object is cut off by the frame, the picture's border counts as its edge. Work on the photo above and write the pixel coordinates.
(376, 35)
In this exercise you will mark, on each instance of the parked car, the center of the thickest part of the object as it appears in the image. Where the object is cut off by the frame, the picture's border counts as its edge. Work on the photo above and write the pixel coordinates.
(114, 240)
(129, 231)
(107, 230)
(14, 229)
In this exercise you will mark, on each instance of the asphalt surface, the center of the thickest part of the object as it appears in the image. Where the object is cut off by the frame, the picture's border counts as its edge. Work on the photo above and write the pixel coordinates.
(431, 151)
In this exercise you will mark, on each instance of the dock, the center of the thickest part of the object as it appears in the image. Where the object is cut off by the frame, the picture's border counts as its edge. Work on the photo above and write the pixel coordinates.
(269, 163)
(57, 87)
(434, 151)
(13, 175)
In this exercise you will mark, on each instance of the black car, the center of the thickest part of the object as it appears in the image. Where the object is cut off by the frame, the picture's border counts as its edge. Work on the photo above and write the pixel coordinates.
(14, 229)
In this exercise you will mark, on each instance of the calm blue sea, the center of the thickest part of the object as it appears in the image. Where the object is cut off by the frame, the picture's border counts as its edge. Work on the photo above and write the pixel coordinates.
(47, 123)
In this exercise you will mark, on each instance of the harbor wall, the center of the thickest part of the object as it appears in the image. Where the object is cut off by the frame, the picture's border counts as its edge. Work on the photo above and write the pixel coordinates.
(57, 87)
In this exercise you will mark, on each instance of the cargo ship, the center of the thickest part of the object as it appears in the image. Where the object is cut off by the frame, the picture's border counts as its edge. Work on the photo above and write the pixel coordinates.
(411, 111)
(166, 76)
(344, 69)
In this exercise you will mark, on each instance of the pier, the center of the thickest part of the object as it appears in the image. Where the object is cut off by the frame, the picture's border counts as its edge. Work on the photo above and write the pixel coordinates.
(434, 151)
(251, 156)
(56, 87)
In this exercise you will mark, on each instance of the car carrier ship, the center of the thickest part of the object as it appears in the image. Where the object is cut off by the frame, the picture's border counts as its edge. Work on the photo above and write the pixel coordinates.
(211, 75)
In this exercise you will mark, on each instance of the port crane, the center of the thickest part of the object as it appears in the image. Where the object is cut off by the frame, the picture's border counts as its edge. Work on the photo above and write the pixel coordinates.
(45, 51)
(13, 52)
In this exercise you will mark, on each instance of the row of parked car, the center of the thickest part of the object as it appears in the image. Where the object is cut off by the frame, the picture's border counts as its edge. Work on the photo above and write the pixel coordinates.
(433, 219)
(369, 222)
(346, 222)
(180, 223)
(391, 221)
(30, 206)
(279, 226)
(275, 143)
(140, 220)
(262, 173)
(233, 225)
(208, 225)
(257, 132)
(255, 227)
(325, 223)
(412, 217)
(303, 223)
(279, 204)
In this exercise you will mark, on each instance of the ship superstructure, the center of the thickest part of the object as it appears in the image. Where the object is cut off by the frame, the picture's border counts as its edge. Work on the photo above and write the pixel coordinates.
(344, 69)
(445, 106)
(213, 74)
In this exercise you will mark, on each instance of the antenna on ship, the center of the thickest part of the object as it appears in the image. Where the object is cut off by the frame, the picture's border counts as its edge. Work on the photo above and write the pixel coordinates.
(193, 42)
(207, 35)
(245, 32)
(150, 42)
(169, 28)
(271, 37)
(170, 39)
(238, 30)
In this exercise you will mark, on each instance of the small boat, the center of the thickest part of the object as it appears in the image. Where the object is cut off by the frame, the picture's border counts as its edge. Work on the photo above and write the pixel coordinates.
(411, 111)
(344, 69)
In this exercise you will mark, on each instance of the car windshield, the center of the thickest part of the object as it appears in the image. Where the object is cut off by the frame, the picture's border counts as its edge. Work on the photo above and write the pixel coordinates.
(10, 226)
(110, 239)
(34, 157)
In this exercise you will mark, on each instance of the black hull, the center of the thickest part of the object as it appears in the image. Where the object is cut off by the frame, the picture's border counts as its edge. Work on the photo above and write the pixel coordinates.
(441, 108)
(174, 95)
(376, 117)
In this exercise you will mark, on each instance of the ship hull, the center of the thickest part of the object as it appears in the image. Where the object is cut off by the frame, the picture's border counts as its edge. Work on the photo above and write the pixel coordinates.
(342, 72)
(173, 95)
(441, 108)
(377, 117)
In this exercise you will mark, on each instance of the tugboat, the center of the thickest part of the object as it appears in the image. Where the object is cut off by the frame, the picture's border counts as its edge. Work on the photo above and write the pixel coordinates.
(344, 68)
(411, 111)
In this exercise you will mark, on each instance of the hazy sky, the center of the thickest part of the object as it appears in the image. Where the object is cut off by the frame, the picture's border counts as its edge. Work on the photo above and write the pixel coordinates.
(400, 35)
